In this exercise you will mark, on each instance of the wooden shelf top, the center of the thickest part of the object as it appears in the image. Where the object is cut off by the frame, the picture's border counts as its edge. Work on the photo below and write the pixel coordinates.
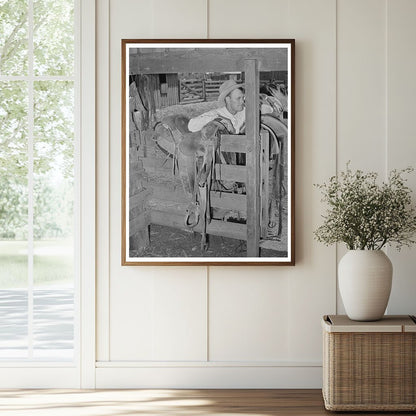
(389, 323)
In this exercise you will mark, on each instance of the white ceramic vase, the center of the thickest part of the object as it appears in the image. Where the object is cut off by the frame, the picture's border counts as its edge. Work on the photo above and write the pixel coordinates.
(364, 278)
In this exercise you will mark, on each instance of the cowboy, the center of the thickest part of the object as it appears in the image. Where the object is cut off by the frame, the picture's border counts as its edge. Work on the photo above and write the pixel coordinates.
(232, 108)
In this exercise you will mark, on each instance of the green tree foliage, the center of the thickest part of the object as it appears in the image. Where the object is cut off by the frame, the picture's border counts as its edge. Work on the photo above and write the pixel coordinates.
(13, 37)
(53, 118)
(53, 37)
(13, 129)
(54, 127)
(13, 159)
(13, 209)
(53, 208)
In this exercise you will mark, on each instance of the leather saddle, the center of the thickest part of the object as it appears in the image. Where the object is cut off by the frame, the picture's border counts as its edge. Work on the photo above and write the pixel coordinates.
(174, 138)
(193, 156)
(194, 160)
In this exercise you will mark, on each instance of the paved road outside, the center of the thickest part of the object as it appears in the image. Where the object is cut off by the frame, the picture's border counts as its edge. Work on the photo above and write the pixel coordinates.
(53, 323)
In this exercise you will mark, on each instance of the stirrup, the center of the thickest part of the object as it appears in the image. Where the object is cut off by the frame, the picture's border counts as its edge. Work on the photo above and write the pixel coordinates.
(192, 215)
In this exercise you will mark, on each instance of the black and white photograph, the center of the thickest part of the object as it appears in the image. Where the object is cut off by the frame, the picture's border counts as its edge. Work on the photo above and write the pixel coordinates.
(208, 152)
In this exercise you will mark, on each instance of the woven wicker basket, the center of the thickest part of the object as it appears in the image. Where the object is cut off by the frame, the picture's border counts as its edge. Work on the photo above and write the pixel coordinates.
(369, 366)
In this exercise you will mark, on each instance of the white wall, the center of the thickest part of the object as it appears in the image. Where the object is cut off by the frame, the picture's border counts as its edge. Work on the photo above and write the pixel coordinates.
(248, 326)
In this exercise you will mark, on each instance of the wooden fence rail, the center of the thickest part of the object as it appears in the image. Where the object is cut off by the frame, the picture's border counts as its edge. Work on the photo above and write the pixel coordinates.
(198, 90)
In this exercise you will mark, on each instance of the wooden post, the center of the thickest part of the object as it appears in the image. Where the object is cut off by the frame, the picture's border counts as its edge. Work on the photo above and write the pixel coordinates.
(264, 181)
(253, 157)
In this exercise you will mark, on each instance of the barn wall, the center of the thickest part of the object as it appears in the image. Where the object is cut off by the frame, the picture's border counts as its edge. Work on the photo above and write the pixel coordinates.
(250, 326)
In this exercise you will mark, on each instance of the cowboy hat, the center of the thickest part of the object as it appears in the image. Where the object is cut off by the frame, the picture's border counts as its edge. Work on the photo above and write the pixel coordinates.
(226, 87)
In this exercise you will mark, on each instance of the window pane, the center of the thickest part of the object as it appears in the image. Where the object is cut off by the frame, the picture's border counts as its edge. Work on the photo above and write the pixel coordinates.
(13, 219)
(53, 197)
(53, 176)
(13, 37)
(13, 160)
(53, 37)
(13, 324)
(53, 319)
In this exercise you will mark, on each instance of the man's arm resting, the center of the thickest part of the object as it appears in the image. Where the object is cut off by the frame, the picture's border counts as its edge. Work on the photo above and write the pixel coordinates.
(196, 123)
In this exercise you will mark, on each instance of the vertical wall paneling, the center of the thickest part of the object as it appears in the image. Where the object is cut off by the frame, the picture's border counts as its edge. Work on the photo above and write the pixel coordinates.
(361, 84)
(315, 154)
(207, 322)
(103, 191)
(361, 88)
(248, 19)
(180, 19)
(140, 328)
(401, 135)
(248, 314)
(252, 326)
(180, 309)
(311, 283)
(162, 316)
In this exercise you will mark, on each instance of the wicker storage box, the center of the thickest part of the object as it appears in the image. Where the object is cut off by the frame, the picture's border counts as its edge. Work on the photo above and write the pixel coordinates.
(369, 366)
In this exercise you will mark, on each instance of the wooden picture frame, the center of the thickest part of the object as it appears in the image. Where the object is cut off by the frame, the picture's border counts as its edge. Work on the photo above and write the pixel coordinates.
(219, 189)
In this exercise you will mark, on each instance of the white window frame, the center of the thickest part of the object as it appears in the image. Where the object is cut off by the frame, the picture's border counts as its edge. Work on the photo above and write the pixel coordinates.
(80, 372)
(88, 199)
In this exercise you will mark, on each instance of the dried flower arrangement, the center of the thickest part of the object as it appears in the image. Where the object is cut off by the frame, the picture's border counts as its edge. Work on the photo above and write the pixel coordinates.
(366, 215)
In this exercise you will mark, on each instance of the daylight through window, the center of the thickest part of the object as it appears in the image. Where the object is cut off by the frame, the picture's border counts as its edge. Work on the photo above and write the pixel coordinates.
(38, 184)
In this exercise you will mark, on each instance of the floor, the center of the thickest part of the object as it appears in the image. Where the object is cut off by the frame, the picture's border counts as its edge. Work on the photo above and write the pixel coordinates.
(172, 242)
(165, 402)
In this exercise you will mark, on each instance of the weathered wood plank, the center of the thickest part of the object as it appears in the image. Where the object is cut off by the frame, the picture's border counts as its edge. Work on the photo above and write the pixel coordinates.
(222, 171)
(230, 201)
(215, 227)
(206, 60)
(230, 173)
(233, 143)
(192, 100)
(168, 192)
(252, 161)
(273, 245)
(136, 168)
(227, 229)
(156, 91)
(173, 93)
(169, 207)
(224, 200)
(138, 198)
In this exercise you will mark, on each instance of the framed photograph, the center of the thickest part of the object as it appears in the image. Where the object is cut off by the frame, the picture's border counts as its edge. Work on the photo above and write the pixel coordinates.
(208, 152)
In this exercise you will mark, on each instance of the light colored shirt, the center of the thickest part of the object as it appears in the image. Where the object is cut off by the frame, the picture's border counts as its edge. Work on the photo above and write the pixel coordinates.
(237, 120)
